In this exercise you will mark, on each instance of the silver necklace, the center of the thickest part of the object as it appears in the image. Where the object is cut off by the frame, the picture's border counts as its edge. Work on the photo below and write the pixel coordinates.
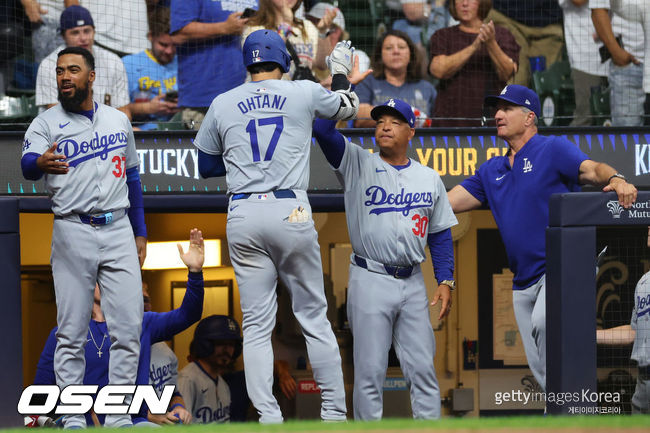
(99, 348)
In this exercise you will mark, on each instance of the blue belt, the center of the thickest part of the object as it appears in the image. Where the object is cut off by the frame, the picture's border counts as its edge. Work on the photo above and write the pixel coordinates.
(278, 193)
(395, 271)
(96, 220)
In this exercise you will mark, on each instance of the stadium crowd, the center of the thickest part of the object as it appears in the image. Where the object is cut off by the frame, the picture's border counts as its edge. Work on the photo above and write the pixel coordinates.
(162, 62)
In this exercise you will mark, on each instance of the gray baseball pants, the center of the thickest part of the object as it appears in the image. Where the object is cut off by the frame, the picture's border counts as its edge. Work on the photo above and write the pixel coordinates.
(530, 312)
(263, 247)
(83, 255)
(384, 310)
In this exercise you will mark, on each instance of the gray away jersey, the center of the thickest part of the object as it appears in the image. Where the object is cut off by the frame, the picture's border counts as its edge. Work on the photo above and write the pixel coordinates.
(263, 130)
(390, 212)
(206, 399)
(163, 367)
(641, 321)
(99, 153)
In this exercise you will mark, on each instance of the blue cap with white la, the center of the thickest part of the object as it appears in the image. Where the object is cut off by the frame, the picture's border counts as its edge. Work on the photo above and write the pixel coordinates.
(518, 95)
(395, 106)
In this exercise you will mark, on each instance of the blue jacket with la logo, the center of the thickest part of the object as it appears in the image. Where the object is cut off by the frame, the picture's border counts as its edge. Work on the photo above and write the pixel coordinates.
(518, 197)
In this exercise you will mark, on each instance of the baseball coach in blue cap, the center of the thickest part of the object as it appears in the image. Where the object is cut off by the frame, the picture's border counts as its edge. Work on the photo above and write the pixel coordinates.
(517, 188)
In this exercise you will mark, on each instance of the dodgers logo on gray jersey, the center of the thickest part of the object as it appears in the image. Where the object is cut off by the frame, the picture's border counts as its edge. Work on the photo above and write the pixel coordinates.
(381, 201)
(99, 147)
(107, 140)
(404, 205)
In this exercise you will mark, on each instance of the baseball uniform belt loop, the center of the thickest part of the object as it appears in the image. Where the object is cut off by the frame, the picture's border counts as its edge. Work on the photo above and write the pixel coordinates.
(394, 271)
(278, 193)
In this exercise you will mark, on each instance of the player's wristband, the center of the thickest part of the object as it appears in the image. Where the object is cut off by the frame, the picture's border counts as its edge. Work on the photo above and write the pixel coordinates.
(340, 82)
(175, 406)
(30, 167)
(136, 209)
(195, 275)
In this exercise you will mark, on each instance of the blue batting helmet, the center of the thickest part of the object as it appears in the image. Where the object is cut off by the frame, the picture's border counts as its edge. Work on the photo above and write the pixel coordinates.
(266, 46)
(211, 329)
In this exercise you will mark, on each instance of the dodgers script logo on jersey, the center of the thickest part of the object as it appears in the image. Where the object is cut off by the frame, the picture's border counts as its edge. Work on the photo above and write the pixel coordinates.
(206, 415)
(160, 376)
(643, 306)
(402, 202)
(97, 147)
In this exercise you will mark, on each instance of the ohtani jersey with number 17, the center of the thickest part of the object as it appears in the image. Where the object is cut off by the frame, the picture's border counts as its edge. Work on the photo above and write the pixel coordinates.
(263, 130)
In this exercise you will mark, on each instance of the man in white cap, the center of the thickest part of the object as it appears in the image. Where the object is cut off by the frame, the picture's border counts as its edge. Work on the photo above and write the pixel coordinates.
(335, 34)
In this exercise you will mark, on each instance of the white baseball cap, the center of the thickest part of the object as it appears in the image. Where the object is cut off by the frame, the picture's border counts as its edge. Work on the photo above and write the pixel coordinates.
(319, 9)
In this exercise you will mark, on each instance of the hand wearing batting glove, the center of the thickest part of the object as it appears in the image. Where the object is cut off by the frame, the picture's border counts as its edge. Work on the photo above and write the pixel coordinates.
(340, 63)
(341, 59)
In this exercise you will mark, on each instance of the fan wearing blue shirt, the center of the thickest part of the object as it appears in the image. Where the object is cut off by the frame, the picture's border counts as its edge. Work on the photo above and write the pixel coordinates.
(155, 327)
(517, 188)
(207, 34)
(152, 73)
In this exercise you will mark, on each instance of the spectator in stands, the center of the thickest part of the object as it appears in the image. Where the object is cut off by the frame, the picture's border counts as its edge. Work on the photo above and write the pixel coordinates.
(121, 26)
(626, 68)
(638, 12)
(472, 60)
(44, 16)
(152, 75)
(397, 73)
(335, 34)
(307, 43)
(587, 70)
(536, 26)
(78, 30)
(11, 40)
(207, 35)
(423, 19)
(155, 327)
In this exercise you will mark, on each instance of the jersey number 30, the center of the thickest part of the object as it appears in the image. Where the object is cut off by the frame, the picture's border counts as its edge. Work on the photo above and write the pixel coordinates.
(421, 223)
(251, 128)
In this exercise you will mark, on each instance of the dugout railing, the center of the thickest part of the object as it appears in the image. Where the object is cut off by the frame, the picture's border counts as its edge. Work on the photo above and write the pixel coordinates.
(571, 293)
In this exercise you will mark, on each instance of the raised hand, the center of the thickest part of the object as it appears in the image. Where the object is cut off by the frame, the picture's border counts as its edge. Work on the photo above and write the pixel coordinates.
(326, 22)
(355, 76)
(195, 254)
(340, 59)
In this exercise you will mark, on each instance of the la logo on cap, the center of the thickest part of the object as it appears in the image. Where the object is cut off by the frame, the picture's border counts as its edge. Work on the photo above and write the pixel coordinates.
(80, 23)
(391, 103)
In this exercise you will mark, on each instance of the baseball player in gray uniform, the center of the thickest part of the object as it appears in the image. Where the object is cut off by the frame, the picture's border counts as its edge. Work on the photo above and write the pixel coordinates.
(86, 151)
(259, 136)
(394, 207)
(638, 332)
(215, 347)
